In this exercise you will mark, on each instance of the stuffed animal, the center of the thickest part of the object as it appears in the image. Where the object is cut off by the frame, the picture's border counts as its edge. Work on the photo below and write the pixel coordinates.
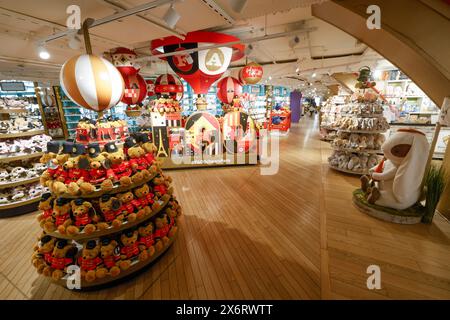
(97, 171)
(143, 200)
(406, 153)
(162, 231)
(146, 240)
(353, 163)
(150, 151)
(162, 187)
(129, 248)
(85, 217)
(172, 214)
(46, 206)
(119, 169)
(372, 161)
(61, 217)
(370, 141)
(137, 161)
(362, 143)
(343, 160)
(363, 161)
(354, 141)
(380, 139)
(89, 260)
(128, 207)
(62, 256)
(111, 210)
(110, 255)
(42, 257)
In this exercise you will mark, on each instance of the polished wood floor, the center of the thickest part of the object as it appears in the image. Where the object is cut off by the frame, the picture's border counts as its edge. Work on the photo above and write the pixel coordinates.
(294, 235)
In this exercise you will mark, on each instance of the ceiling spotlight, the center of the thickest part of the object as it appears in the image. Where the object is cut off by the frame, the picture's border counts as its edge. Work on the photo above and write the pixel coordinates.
(249, 49)
(43, 53)
(293, 42)
(171, 17)
(238, 5)
(297, 70)
(314, 75)
(270, 77)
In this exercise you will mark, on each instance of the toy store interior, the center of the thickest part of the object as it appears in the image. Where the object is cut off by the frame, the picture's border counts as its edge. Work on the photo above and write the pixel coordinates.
(224, 149)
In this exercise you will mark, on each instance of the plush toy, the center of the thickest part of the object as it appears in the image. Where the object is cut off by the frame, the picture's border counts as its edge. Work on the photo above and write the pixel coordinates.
(46, 206)
(119, 169)
(129, 248)
(363, 160)
(172, 214)
(127, 205)
(354, 140)
(343, 160)
(137, 161)
(111, 210)
(146, 240)
(143, 200)
(61, 216)
(150, 151)
(406, 153)
(90, 260)
(110, 254)
(75, 172)
(43, 255)
(62, 256)
(380, 139)
(85, 218)
(372, 161)
(162, 231)
(162, 187)
(370, 142)
(96, 171)
(362, 143)
(353, 163)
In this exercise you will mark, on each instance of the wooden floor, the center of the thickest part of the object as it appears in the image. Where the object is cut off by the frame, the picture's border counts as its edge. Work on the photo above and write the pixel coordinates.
(294, 235)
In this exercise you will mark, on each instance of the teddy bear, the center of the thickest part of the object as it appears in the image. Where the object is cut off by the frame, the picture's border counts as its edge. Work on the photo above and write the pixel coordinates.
(343, 160)
(137, 161)
(370, 142)
(129, 248)
(372, 161)
(110, 255)
(150, 151)
(362, 145)
(379, 140)
(61, 216)
(43, 253)
(363, 161)
(172, 214)
(111, 209)
(62, 256)
(161, 232)
(353, 141)
(89, 260)
(143, 200)
(53, 148)
(353, 163)
(97, 171)
(162, 188)
(76, 172)
(128, 207)
(119, 169)
(145, 239)
(46, 206)
(85, 218)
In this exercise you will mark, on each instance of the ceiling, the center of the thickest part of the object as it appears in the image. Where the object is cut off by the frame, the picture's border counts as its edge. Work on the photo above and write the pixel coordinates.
(321, 49)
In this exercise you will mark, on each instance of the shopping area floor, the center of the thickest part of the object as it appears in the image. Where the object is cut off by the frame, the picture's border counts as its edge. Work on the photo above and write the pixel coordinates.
(293, 235)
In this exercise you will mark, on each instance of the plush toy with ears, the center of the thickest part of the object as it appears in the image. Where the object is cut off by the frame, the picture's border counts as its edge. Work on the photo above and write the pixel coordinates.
(406, 154)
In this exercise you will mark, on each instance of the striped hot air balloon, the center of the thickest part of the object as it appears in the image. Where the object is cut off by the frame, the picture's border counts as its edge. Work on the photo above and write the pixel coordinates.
(91, 82)
(135, 89)
(170, 85)
(228, 88)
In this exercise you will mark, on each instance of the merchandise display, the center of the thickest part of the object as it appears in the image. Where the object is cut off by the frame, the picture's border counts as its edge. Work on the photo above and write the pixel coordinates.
(51, 114)
(110, 211)
(360, 127)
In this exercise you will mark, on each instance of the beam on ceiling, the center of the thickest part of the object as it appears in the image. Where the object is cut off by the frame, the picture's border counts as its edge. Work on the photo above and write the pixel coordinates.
(213, 6)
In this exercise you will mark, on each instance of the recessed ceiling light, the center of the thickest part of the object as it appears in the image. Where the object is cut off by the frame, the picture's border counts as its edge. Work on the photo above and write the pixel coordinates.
(43, 53)
(314, 75)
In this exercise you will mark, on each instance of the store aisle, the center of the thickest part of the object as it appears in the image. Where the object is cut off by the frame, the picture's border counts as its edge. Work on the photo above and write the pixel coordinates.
(289, 236)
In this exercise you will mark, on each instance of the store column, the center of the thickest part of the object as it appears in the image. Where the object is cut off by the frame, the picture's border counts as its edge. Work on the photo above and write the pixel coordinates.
(296, 107)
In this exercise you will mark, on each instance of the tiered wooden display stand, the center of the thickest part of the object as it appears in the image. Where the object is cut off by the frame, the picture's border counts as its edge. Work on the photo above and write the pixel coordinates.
(24, 206)
(357, 151)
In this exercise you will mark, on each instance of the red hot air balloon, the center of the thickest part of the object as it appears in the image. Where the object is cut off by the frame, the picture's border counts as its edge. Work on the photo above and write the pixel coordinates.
(201, 68)
(124, 60)
(170, 85)
(150, 87)
(227, 89)
(135, 89)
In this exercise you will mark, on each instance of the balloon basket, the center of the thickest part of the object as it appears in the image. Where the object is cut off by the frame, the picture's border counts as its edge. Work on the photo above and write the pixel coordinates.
(133, 113)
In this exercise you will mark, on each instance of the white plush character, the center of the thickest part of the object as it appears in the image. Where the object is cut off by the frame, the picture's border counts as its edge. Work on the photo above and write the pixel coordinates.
(406, 154)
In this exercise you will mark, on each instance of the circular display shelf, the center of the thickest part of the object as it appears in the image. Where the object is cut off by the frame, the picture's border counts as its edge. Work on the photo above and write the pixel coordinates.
(411, 215)
(25, 156)
(329, 128)
(362, 131)
(13, 110)
(81, 237)
(116, 189)
(377, 115)
(13, 205)
(357, 150)
(21, 134)
(349, 171)
(18, 183)
(135, 267)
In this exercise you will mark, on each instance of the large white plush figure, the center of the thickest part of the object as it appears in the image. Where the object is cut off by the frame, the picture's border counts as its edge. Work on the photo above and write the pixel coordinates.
(399, 182)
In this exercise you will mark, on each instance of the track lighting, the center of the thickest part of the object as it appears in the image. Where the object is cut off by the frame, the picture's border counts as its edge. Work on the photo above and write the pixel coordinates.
(294, 41)
(314, 75)
(171, 17)
(297, 70)
(43, 53)
(249, 49)
(75, 42)
(238, 5)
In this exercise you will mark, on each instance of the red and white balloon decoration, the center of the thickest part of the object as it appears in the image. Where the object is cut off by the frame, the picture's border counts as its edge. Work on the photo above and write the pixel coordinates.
(170, 85)
(91, 82)
(252, 73)
(228, 88)
(150, 87)
(124, 60)
(135, 89)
